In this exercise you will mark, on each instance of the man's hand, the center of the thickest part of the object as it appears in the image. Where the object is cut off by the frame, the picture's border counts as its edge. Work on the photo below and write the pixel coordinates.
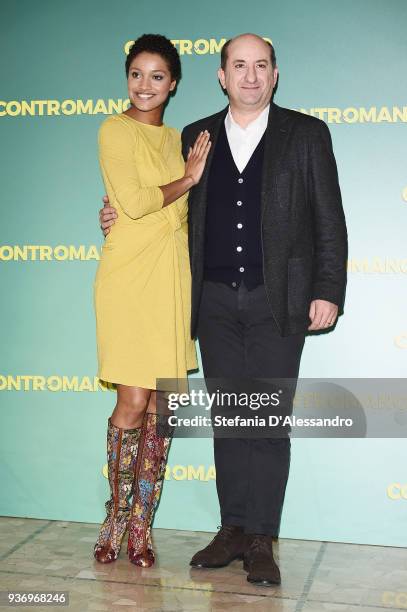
(322, 314)
(107, 216)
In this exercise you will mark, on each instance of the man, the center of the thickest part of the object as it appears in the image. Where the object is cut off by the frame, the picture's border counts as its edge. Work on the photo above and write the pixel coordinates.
(268, 250)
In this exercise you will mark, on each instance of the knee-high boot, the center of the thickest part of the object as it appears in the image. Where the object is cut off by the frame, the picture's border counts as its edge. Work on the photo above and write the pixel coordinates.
(151, 462)
(122, 445)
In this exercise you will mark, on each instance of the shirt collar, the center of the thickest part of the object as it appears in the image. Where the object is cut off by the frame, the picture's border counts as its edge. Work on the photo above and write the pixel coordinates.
(260, 123)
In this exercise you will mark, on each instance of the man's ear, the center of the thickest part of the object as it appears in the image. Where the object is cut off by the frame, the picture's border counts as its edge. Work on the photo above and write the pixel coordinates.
(221, 77)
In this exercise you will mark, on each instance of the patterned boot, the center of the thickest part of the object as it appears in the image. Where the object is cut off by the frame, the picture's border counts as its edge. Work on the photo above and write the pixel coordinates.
(149, 476)
(122, 447)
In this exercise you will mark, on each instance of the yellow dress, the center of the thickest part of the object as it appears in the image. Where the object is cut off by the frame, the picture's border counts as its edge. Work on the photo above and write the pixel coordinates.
(142, 287)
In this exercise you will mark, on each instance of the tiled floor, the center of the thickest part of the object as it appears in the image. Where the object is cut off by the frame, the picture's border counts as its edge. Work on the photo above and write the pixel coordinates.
(316, 576)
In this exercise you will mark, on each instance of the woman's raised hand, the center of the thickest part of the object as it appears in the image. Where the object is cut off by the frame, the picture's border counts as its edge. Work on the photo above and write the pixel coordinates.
(197, 156)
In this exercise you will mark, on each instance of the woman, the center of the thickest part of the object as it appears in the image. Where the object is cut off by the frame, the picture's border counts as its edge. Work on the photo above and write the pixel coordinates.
(142, 289)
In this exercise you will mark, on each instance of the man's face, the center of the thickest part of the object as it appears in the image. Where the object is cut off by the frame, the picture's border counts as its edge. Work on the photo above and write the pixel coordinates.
(249, 77)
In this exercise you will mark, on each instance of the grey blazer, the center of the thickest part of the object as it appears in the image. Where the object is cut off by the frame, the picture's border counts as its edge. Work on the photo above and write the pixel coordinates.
(303, 229)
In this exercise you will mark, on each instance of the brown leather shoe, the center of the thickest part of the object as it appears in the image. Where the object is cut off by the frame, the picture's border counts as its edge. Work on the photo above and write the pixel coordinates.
(228, 544)
(259, 561)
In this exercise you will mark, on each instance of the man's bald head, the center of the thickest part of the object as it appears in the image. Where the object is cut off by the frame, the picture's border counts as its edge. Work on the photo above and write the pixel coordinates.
(248, 73)
(241, 37)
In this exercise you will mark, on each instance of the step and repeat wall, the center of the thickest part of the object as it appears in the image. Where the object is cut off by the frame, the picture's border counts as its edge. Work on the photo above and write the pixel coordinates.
(62, 73)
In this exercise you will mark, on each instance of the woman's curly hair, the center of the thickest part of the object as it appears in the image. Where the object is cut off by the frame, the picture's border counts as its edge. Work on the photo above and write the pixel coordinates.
(156, 43)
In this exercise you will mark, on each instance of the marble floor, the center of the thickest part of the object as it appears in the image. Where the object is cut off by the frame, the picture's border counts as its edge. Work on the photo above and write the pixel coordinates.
(40, 555)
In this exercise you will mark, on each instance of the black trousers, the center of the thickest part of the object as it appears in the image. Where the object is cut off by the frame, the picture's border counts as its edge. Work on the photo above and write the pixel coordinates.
(238, 338)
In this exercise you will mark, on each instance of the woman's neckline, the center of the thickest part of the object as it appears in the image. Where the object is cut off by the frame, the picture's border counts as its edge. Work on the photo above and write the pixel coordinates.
(150, 125)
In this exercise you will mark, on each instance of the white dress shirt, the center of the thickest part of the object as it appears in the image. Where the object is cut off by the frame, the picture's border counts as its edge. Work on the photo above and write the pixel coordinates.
(243, 141)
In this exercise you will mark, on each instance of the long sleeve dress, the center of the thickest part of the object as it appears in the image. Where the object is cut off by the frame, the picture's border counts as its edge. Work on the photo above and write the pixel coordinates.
(142, 288)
